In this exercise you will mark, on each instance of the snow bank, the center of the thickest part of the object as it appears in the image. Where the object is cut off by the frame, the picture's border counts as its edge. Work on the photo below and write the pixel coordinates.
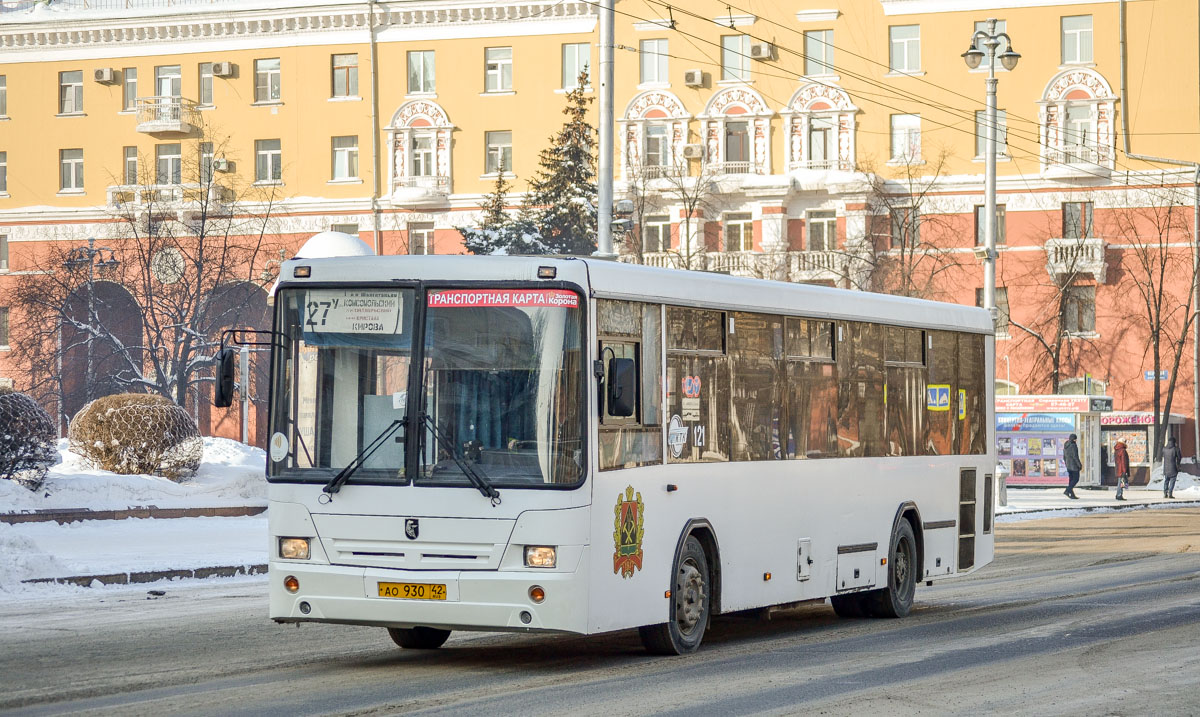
(230, 474)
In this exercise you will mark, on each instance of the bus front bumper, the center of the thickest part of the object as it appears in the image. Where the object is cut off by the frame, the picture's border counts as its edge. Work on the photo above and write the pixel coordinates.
(474, 600)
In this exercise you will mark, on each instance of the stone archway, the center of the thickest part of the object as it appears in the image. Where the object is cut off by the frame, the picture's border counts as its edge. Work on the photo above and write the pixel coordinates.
(238, 305)
(115, 345)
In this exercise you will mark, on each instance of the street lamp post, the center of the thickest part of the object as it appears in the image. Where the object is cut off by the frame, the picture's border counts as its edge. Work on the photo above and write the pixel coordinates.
(91, 257)
(990, 39)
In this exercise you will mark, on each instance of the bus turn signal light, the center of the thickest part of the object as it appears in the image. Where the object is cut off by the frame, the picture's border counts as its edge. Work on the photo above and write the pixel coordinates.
(537, 594)
(291, 584)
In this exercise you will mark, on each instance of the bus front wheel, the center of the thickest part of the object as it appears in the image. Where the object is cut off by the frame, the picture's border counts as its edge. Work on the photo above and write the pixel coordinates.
(691, 605)
(418, 638)
(896, 599)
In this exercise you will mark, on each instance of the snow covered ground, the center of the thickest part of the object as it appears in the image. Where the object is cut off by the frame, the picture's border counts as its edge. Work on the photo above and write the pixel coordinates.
(232, 476)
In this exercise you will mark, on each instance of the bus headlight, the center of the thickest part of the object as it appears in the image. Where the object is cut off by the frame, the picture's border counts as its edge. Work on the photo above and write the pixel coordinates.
(540, 556)
(293, 548)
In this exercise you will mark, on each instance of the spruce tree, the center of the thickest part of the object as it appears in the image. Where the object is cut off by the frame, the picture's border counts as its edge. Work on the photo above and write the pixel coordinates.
(495, 226)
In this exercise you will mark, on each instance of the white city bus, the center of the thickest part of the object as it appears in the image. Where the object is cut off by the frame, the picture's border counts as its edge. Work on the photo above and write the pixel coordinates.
(580, 446)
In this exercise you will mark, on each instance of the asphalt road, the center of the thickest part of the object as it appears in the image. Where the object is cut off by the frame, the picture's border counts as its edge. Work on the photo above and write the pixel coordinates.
(1095, 615)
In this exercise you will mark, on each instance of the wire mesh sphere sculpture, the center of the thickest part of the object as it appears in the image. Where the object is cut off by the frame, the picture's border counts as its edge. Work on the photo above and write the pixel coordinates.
(134, 433)
(27, 440)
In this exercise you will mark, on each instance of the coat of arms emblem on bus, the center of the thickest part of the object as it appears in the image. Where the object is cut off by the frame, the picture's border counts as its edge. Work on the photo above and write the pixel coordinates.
(627, 533)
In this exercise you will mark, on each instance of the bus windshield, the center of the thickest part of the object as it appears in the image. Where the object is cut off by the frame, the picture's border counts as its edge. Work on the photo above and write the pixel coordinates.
(503, 384)
(500, 388)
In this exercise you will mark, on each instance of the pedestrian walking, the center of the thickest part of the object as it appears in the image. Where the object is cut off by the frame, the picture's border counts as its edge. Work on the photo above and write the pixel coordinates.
(1170, 465)
(1121, 463)
(1071, 459)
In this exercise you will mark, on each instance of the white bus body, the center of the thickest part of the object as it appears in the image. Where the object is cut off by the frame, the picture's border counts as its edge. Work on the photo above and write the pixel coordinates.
(801, 523)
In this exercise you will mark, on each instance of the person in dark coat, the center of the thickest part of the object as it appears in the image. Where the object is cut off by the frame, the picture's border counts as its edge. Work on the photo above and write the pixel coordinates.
(1073, 464)
(1121, 463)
(1170, 464)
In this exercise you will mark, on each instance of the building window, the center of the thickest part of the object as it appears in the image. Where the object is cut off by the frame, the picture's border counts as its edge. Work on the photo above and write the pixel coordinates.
(70, 174)
(981, 133)
(345, 157)
(268, 160)
(205, 95)
(499, 152)
(735, 57)
(658, 148)
(345, 75)
(70, 92)
(266, 80)
(906, 138)
(576, 59)
(3, 95)
(979, 217)
(421, 162)
(1001, 308)
(421, 75)
(1079, 136)
(906, 227)
(168, 163)
(739, 232)
(420, 238)
(1079, 309)
(131, 165)
(1076, 220)
(821, 133)
(1076, 39)
(905, 42)
(129, 91)
(206, 162)
(1001, 26)
(654, 61)
(3, 172)
(351, 229)
(656, 233)
(822, 230)
(3, 252)
(168, 81)
(737, 147)
(498, 69)
(3, 326)
(818, 52)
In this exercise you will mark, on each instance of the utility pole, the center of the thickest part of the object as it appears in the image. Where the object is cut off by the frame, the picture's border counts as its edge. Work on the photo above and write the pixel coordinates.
(604, 240)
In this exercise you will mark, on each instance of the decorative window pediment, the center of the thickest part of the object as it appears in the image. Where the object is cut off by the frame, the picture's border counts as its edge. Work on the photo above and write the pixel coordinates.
(653, 131)
(820, 128)
(1077, 116)
(737, 132)
(419, 137)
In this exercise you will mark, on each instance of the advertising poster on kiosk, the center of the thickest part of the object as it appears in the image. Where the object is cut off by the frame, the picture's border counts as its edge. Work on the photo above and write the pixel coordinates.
(1030, 446)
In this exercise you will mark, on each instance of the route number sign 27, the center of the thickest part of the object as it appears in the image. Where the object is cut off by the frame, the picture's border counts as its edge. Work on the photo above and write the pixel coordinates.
(357, 311)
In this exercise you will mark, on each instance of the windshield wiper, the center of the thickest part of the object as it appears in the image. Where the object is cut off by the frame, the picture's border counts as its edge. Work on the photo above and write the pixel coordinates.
(477, 479)
(335, 484)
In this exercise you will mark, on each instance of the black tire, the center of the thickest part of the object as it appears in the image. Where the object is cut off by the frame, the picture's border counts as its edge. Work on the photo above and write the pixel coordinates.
(418, 638)
(691, 605)
(848, 606)
(896, 600)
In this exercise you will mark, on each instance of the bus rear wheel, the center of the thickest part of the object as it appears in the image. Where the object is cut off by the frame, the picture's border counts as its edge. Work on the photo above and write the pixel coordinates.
(691, 605)
(418, 638)
(896, 600)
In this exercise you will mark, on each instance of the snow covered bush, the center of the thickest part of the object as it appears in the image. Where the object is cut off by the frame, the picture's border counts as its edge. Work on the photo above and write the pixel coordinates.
(134, 433)
(27, 440)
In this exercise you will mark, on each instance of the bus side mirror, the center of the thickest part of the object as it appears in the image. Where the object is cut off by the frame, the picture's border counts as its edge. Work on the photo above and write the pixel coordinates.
(223, 392)
(622, 386)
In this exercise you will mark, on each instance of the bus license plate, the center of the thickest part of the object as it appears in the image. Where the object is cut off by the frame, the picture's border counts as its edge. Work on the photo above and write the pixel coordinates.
(413, 591)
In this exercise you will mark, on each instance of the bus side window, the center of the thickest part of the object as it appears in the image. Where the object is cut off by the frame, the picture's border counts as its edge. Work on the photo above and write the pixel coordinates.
(610, 350)
(632, 331)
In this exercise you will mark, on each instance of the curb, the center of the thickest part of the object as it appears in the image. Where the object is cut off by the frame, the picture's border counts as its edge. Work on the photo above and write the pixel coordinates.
(150, 576)
(1092, 508)
(73, 515)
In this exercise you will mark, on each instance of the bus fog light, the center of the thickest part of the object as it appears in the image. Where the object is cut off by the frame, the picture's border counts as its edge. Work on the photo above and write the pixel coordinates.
(305, 608)
(540, 556)
(293, 548)
(526, 617)
(537, 593)
(291, 584)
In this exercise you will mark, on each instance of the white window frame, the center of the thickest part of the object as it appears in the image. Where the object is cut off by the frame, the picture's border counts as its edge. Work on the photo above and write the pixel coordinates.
(818, 52)
(905, 138)
(129, 88)
(658, 228)
(735, 58)
(344, 153)
(1084, 299)
(4, 175)
(904, 48)
(1077, 42)
(822, 126)
(656, 134)
(653, 67)
(498, 69)
(349, 74)
(742, 224)
(4, 321)
(572, 55)
(826, 220)
(1002, 309)
(168, 81)
(268, 80)
(70, 170)
(70, 92)
(168, 164)
(268, 161)
(129, 165)
(422, 154)
(204, 93)
(1001, 224)
(904, 228)
(3, 95)
(1001, 134)
(4, 252)
(420, 238)
(206, 156)
(424, 62)
(497, 152)
(351, 229)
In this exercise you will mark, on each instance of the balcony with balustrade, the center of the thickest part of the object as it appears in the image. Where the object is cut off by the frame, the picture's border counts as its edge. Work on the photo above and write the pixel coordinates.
(1079, 161)
(420, 190)
(1069, 257)
(737, 168)
(185, 201)
(165, 114)
(797, 266)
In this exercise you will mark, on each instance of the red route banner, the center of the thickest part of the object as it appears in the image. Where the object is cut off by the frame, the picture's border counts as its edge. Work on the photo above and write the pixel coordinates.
(479, 298)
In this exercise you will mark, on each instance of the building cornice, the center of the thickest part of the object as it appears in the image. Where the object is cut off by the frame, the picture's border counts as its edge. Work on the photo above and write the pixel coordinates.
(103, 33)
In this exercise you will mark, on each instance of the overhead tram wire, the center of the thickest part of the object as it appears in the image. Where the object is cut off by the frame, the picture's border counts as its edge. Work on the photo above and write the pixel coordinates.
(1148, 185)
